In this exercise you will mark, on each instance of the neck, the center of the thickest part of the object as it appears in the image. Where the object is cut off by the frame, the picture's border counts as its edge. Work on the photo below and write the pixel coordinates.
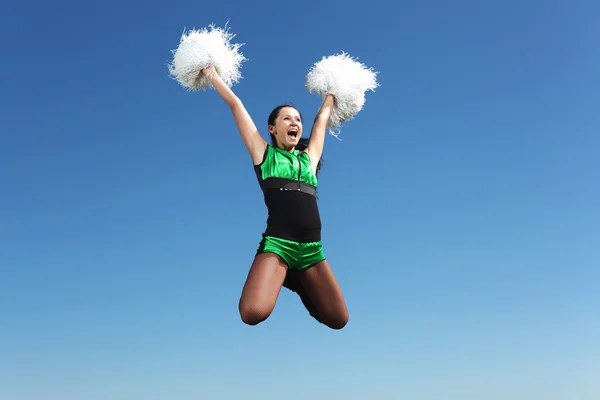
(286, 148)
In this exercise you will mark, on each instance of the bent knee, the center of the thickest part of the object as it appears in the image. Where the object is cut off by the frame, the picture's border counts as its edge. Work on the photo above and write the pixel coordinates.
(253, 314)
(336, 321)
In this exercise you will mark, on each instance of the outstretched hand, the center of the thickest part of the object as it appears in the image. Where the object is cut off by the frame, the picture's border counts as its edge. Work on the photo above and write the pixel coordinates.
(209, 72)
(329, 99)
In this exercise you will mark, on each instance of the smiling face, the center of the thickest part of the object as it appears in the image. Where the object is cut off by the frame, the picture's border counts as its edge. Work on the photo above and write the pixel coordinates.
(286, 126)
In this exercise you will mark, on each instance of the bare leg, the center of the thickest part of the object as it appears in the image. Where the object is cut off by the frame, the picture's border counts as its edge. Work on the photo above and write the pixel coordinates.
(262, 288)
(324, 292)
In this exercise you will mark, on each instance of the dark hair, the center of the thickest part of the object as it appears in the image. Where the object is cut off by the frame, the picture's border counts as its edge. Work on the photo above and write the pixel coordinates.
(302, 143)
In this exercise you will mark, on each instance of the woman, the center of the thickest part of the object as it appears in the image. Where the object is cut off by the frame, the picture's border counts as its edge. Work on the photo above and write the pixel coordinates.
(290, 252)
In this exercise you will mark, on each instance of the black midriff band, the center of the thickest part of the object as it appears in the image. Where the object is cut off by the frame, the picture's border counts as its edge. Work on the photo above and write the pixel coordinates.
(286, 184)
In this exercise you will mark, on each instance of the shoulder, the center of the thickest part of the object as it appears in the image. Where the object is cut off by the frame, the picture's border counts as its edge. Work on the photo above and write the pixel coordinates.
(268, 151)
(307, 156)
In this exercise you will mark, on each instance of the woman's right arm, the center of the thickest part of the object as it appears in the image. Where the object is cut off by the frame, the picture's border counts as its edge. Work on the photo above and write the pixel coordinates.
(254, 142)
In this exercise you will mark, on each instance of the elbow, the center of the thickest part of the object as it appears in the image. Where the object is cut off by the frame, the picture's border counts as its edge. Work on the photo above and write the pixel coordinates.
(234, 103)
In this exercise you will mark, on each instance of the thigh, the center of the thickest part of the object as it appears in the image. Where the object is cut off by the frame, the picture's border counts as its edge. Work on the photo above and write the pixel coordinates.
(324, 291)
(263, 283)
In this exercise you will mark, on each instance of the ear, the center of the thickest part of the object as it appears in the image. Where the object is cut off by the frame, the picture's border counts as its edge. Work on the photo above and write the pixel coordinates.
(271, 129)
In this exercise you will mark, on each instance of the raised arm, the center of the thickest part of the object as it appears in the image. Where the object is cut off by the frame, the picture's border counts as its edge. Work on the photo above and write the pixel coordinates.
(317, 134)
(254, 142)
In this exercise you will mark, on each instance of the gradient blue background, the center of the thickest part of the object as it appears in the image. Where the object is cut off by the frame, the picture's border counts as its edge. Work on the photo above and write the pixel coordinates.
(461, 209)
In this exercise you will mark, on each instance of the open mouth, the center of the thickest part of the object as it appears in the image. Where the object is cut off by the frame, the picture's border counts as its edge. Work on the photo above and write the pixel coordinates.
(292, 134)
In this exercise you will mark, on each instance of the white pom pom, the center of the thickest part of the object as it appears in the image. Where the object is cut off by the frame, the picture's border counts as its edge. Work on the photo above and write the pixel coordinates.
(199, 49)
(347, 80)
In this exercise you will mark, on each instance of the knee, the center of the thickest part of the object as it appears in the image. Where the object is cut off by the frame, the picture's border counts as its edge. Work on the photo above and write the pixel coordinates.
(253, 314)
(336, 321)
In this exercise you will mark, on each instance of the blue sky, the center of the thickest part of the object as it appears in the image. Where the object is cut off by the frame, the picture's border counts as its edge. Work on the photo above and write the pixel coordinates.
(461, 209)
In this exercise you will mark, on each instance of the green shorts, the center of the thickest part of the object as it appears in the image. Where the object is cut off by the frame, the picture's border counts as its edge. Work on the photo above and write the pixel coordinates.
(296, 255)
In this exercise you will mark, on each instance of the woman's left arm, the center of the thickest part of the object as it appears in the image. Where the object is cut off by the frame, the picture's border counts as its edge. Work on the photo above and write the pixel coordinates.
(317, 134)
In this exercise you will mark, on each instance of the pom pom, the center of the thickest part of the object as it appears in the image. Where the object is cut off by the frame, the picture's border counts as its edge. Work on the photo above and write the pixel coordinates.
(199, 49)
(347, 80)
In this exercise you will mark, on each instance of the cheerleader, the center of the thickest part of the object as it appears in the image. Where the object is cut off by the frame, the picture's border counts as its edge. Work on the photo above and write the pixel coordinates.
(290, 253)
